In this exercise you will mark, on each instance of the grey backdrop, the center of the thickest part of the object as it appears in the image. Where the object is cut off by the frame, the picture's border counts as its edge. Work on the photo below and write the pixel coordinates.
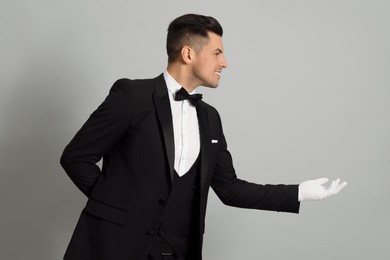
(306, 95)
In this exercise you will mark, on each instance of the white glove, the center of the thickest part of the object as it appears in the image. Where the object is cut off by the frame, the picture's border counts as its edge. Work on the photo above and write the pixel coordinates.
(314, 189)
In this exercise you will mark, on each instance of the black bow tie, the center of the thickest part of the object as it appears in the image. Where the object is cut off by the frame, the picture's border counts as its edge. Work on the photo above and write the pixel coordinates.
(182, 94)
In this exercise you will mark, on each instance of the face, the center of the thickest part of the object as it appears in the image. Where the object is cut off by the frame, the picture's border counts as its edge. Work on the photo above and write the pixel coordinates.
(208, 63)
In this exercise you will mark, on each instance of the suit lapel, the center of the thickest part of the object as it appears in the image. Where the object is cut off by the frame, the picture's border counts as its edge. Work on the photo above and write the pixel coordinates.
(164, 114)
(205, 143)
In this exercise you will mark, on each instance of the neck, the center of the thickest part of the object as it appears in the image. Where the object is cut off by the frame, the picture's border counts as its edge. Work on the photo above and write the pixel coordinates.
(181, 74)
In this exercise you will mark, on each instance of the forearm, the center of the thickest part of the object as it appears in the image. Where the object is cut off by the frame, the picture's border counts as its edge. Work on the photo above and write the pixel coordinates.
(82, 174)
(239, 193)
(244, 194)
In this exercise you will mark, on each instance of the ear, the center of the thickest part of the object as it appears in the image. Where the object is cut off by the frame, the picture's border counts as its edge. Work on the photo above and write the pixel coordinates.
(187, 54)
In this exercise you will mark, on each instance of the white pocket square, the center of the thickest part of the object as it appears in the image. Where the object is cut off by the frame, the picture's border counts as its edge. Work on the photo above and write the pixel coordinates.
(213, 141)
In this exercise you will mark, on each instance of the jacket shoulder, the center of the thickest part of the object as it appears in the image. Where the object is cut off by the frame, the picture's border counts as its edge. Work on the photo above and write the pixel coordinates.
(125, 85)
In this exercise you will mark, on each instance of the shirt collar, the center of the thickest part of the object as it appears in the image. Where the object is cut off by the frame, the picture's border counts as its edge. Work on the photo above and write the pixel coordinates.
(172, 85)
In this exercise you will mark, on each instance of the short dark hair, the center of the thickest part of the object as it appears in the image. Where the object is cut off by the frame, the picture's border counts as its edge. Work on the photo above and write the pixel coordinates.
(192, 30)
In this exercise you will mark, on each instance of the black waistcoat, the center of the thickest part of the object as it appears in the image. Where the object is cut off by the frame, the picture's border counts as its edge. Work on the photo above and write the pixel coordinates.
(175, 226)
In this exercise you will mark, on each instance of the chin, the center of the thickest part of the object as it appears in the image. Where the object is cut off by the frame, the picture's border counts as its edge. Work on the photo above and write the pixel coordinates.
(215, 85)
(212, 85)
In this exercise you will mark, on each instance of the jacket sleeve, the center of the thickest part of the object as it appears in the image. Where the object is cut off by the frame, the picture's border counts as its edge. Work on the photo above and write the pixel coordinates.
(239, 193)
(103, 129)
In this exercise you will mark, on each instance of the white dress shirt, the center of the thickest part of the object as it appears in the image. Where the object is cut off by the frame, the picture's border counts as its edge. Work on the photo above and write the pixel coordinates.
(185, 128)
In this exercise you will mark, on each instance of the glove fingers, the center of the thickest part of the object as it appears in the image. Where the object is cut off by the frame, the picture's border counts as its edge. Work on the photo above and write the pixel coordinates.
(333, 186)
(340, 187)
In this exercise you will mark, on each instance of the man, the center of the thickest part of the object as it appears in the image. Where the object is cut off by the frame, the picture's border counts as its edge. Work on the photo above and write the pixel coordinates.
(162, 149)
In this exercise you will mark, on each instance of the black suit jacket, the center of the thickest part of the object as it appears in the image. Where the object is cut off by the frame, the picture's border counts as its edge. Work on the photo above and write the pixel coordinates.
(132, 131)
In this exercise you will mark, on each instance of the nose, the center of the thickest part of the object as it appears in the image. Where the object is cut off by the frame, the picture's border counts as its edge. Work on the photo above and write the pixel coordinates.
(224, 62)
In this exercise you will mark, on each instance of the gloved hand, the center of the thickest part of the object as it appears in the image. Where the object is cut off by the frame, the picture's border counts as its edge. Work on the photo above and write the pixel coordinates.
(315, 189)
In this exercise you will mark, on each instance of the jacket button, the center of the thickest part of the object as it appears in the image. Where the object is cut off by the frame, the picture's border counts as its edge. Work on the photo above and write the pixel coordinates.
(162, 201)
(151, 232)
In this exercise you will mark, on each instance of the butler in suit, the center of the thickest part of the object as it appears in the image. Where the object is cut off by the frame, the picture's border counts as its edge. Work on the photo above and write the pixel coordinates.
(162, 149)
